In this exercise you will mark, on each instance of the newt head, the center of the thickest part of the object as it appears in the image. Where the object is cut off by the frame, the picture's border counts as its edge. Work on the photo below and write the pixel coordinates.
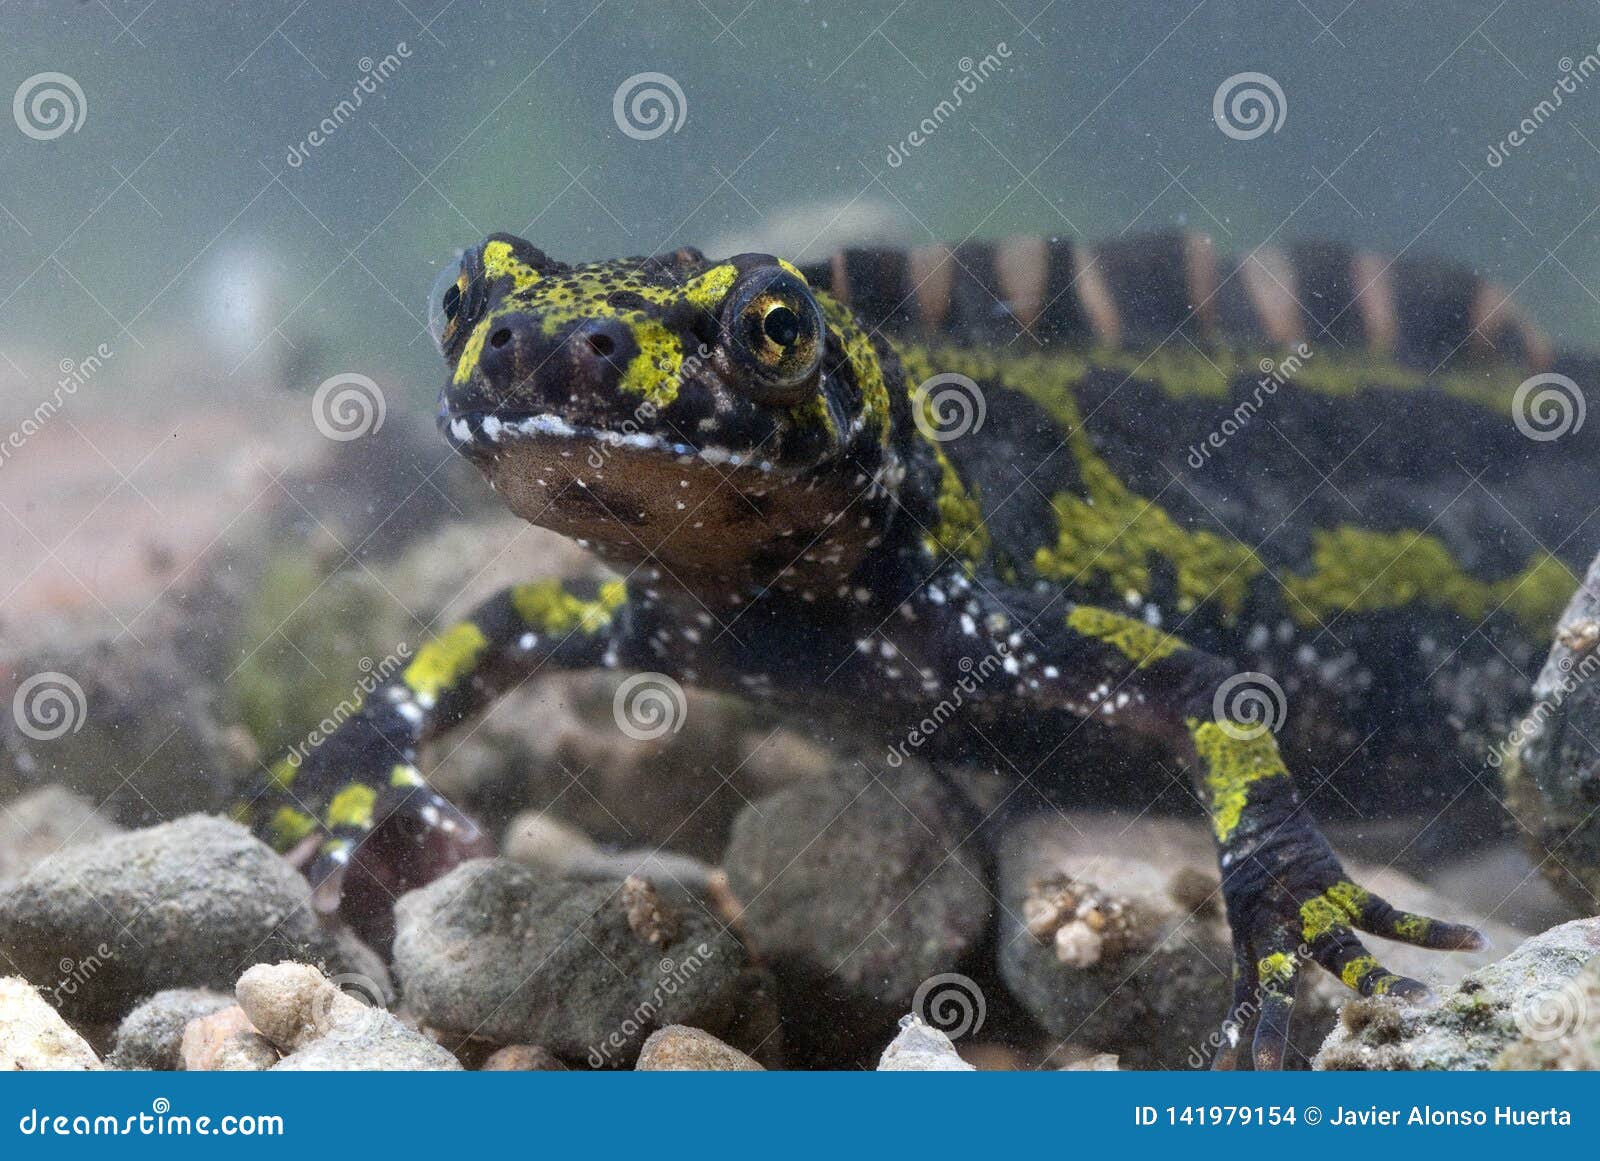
(715, 416)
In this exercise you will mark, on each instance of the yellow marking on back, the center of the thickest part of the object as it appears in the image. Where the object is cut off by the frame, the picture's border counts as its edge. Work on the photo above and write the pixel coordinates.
(961, 530)
(352, 806)
(443, 661)
(1143, 644)
(1115, 536)
(1230, 766)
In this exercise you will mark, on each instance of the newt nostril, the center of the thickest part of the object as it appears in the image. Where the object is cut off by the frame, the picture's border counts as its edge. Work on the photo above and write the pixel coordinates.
(602, 345)
(500, 338)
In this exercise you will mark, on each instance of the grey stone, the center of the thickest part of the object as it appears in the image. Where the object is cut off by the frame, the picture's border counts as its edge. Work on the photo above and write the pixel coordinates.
(151, 1036)
(189, 903)
(499, 951)
(861, 887)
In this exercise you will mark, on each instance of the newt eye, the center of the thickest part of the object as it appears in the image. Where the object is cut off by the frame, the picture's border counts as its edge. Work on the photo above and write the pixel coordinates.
(774, 330)
(444, 303)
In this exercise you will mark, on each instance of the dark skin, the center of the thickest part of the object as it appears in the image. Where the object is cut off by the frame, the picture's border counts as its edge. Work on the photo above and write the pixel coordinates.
(747, 457)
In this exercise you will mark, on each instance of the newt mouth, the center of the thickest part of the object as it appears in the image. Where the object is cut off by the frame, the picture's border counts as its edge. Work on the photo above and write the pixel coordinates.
(483, 433)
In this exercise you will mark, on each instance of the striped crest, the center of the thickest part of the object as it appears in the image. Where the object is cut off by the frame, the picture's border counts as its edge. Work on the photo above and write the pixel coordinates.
(1151, 289)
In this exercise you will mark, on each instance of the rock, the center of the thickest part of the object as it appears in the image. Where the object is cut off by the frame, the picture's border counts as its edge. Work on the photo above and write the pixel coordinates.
(498, 951)
(189, 903)
(1550, 769)
(151, 1036)
(1120, 952)
(523, 1058)
(44, 821)
(323, 1027)
(862, 889)
(245, 1052)
(680, 791)
(140, 730)
(206, 1037)
(1099, 1062)
(1539, 1007)
(34, 1037)
(536, 839)
(676, 1048)
(920, 1048)
(1130, 953)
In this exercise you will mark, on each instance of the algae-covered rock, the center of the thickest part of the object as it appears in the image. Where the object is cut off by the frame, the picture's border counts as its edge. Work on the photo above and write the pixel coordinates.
(1548, 762)
(1539, 1007)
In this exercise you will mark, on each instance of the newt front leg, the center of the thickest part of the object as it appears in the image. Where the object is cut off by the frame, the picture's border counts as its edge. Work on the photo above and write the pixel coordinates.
(364, 775)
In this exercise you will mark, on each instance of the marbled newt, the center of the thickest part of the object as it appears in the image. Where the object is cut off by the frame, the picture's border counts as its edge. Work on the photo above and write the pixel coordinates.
(1090, 472)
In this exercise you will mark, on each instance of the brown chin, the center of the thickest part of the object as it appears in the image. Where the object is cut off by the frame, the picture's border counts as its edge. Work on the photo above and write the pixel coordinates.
(702, 520)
